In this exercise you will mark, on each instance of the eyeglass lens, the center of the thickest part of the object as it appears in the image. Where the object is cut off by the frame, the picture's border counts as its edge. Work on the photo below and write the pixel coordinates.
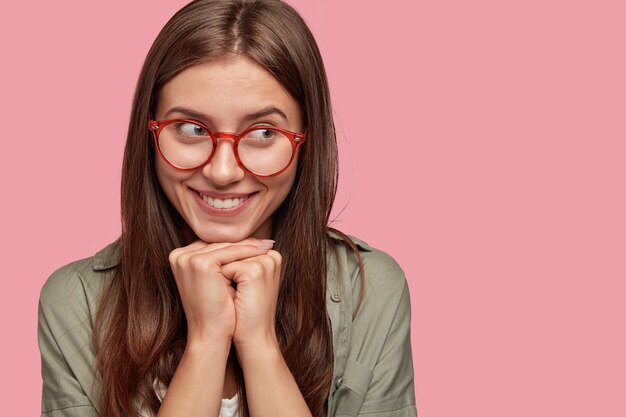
(263, 151)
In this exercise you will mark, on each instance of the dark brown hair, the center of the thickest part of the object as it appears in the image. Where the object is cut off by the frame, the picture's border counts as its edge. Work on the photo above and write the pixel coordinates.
(140, 328)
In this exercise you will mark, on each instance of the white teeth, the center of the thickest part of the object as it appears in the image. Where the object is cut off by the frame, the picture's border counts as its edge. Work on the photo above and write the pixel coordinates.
(228, 203)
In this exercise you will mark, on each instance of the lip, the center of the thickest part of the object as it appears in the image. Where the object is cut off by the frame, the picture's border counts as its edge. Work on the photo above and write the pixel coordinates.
(223, 212)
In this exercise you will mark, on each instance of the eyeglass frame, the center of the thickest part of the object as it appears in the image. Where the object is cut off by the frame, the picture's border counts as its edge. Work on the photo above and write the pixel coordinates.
(296, 139)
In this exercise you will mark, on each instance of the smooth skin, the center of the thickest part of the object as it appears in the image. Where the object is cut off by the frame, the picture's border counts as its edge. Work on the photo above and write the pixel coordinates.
(230, 250)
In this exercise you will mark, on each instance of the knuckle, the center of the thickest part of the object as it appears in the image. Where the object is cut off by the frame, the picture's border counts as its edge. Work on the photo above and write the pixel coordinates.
(183, 259)
(256, 269)
(276, 256)
(198, 263)
(173, 256)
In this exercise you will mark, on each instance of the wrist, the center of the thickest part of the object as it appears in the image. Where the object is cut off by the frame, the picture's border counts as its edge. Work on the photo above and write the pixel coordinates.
(265, 350)
(208, 342)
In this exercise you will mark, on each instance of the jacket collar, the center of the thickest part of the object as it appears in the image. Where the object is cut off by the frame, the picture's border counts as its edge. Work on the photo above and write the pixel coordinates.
(108, 257)
(358, 242)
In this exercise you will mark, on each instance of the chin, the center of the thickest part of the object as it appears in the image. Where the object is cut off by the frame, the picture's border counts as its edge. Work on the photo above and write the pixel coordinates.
(215, 236)
(230, 232)
(222, 234)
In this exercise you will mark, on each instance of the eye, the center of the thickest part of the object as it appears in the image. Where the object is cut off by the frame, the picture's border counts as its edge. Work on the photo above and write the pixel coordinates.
(190, 129)
(261, 134)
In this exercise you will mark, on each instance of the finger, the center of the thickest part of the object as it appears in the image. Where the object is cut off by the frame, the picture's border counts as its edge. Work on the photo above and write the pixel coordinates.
(276, 256)
(251, 267)
(231, 291)
(278, 261)
(231, 253)
(183, 255)
(198, 244)
(260, 243)
(176, 253)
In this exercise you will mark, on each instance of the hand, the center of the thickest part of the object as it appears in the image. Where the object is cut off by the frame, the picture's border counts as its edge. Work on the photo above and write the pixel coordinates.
(258, 282)
(206, 293)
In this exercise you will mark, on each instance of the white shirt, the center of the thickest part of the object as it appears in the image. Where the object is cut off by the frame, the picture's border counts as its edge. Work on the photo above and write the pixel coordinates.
(229, 407)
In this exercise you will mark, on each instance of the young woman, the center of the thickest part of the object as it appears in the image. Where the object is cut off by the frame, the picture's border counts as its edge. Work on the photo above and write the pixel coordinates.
(227, 293)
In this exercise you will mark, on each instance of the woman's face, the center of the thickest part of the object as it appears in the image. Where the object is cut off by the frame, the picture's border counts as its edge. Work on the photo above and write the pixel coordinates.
(227, 95)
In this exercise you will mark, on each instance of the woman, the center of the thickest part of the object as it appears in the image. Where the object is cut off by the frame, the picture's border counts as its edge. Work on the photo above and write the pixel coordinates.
(227, 292)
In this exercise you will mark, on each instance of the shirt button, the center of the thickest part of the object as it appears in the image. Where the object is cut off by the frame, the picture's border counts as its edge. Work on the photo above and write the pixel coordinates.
(335, 297)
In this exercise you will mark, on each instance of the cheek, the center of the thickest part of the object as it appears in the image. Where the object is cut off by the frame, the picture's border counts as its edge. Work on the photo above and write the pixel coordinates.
(169, 179)
(281, 185)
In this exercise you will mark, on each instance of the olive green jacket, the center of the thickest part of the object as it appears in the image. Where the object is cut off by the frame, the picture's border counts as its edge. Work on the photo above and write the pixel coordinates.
(373, 368)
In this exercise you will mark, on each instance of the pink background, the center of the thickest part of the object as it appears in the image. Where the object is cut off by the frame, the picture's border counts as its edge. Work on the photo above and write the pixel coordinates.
(482, 145)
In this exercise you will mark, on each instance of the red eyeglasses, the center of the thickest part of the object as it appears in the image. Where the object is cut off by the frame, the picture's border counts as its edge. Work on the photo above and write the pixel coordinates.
(263, 151)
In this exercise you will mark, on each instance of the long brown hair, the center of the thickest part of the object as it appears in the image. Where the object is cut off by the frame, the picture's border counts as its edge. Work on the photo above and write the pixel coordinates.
(140, 328)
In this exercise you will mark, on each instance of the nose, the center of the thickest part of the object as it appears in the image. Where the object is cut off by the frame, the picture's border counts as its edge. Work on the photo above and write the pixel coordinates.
(223, 168)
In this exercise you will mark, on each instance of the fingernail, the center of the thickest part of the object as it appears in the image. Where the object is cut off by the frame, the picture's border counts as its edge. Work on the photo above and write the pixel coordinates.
(266, 244)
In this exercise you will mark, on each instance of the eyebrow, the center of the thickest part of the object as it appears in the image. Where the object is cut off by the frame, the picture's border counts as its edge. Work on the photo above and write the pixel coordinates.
(247, 118)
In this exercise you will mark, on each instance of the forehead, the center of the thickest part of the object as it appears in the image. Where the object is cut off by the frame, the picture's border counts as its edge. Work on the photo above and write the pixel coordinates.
(226, 89)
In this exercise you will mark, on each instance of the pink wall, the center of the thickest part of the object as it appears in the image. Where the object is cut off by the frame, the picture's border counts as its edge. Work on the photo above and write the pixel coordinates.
(482, 145)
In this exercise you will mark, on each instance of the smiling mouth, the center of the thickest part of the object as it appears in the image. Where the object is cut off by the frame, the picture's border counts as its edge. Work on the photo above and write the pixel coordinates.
(228, 203)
